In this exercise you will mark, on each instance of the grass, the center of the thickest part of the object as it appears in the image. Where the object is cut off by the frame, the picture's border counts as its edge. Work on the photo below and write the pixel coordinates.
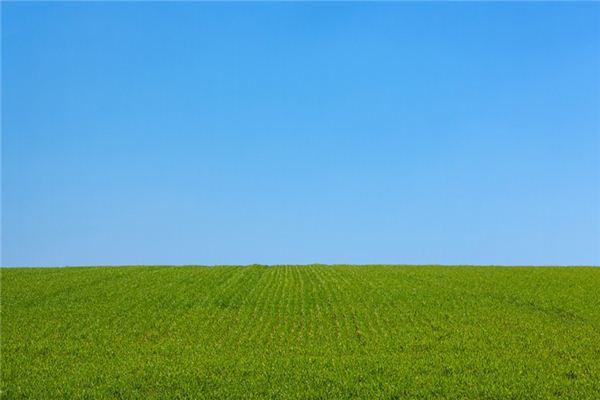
(300, 332)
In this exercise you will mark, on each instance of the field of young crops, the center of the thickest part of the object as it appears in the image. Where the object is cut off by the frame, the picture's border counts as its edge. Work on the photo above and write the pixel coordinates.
(300, 332)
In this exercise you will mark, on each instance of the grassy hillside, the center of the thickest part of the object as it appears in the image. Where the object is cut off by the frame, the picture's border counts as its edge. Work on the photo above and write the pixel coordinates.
(301, 332)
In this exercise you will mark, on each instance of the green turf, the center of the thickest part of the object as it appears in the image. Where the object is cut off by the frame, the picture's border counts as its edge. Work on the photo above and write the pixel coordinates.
(303, 332)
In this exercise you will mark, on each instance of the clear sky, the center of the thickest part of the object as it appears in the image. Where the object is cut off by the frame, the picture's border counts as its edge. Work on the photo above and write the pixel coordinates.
(206, 133)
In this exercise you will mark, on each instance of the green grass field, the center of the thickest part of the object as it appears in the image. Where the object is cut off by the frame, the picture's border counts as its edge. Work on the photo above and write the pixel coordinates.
(300, 332)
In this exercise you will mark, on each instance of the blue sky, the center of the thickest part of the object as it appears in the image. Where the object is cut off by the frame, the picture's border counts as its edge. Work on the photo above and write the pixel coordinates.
(206, 133)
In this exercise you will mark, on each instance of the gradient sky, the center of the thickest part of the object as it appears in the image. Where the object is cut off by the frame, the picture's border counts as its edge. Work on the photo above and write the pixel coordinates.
(206, 133)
